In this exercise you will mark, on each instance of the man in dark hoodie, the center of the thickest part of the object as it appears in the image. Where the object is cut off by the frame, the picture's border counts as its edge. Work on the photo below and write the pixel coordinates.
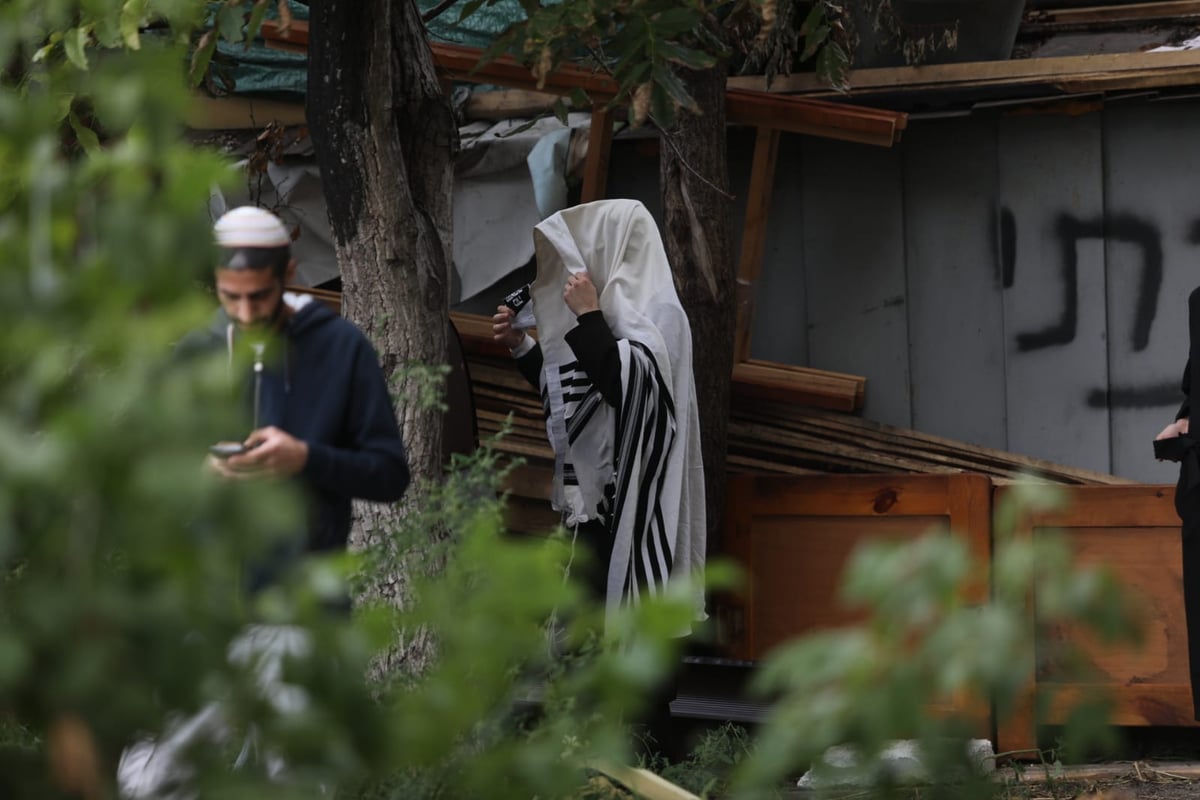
(317, 396)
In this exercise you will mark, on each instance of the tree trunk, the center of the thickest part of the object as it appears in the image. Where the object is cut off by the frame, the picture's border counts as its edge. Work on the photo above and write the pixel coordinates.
(385, 140)
(697, 212)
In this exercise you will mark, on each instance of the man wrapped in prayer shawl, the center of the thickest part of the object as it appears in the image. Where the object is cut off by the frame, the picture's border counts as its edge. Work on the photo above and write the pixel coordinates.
(614, 367)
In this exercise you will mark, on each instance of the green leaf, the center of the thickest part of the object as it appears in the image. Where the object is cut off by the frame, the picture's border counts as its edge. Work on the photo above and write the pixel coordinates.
(661, 107)
(75, 44)
(674, 87)
(674, 22)
(202, 57)
(832, 65)
(470, 8)
(632, 73)
(63, 105)
(133, 13)
(561, 110)
(579, 98)
(815, 17)
(257, 15)
(42, 52)
(814, 41)
(87, 137)
(685, 56)
(229, 23)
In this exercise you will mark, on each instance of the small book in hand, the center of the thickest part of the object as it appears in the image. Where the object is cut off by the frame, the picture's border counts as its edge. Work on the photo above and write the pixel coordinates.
(1172, 449)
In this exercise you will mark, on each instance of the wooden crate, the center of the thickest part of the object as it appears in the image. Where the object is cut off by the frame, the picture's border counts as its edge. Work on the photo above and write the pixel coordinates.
(1134, 530)
(793, 536)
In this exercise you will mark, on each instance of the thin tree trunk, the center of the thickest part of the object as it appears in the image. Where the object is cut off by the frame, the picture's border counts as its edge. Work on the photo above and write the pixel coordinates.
(385, 140)
(697, 213)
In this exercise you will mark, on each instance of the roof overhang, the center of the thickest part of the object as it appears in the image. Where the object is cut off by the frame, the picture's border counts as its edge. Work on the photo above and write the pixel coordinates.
(1064, 75)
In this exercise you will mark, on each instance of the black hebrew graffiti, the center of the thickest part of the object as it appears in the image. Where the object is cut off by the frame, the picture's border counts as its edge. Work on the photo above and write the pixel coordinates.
(1070, 230)
(1157, 395)
(1119, 227)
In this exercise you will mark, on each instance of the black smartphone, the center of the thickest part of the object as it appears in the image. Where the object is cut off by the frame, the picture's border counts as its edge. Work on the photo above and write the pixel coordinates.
(227, 449)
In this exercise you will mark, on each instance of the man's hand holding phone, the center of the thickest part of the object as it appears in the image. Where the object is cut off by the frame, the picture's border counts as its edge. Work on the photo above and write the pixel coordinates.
(267, 452)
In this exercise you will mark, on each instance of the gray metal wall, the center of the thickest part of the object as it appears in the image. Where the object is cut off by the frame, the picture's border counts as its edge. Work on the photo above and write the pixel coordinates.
(1017, 282)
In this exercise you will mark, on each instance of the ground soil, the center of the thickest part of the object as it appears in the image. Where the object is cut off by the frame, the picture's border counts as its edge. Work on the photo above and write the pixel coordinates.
(1117, 789)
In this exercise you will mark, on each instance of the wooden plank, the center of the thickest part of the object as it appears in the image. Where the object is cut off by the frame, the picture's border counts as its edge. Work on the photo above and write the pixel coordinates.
(754, 233)
(1167, 9)
(743, 107)
(242, 113)
(502, 104)
(979, 73)
(830, 120)
(800, 385)
(643, 783)
(595, 165)
(861, 496)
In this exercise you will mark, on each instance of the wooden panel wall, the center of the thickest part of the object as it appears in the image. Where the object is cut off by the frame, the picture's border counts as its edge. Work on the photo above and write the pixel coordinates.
(1134, 530)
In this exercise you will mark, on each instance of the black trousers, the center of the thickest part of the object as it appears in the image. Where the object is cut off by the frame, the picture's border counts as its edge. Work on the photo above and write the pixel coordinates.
(1191, 606)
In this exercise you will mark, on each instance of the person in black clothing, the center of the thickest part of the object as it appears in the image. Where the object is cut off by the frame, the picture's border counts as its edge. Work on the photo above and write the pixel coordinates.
(321, 410)
(1175, 443)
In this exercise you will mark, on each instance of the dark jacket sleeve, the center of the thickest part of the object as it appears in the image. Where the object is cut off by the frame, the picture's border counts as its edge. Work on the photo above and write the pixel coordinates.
(530, 366)
(593, 343)
(373, 465)
(1186, 408)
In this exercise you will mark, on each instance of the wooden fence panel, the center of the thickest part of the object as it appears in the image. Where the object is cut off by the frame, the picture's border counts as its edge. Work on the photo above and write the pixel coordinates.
(1134, 530)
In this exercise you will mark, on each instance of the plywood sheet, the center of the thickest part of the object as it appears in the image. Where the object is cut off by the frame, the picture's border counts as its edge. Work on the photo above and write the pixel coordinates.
(1055, 314)
(780, 322)
(854, 257)
(1150, 164)
(955, 306)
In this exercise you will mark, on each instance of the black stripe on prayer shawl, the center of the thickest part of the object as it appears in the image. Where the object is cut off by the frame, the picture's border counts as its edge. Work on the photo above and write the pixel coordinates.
(586, 410)
(645, 433)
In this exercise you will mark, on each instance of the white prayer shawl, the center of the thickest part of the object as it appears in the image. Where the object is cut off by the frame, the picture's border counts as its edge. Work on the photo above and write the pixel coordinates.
(638, 465)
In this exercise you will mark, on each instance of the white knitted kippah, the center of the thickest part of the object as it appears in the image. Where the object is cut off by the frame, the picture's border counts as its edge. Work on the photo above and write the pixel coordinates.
(250, 226)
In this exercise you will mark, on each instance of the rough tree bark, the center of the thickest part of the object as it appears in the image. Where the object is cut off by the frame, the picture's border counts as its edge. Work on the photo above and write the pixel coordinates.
(697, 212)
(385, 141)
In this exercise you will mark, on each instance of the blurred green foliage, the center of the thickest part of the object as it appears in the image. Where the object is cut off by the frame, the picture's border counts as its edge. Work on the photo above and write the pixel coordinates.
(122, 584)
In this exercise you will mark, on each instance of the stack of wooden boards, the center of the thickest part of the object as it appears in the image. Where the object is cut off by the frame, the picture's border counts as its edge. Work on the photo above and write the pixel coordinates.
(775, 428)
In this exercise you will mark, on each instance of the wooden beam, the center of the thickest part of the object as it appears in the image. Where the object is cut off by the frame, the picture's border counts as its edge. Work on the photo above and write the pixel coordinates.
(754, 233)
(814, 117)
(508, 103)
(743, 106)
(595, 166)
(205, 113)
(1029, 71)
(1167, 9)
